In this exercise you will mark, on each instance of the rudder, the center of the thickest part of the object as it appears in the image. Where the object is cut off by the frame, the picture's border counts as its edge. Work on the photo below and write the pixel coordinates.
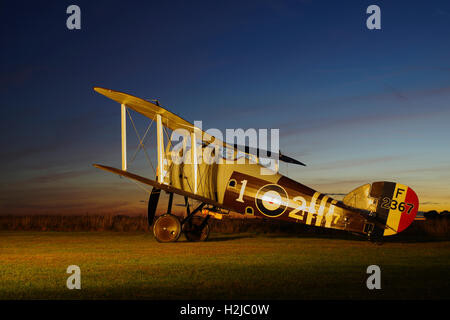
(397, 205)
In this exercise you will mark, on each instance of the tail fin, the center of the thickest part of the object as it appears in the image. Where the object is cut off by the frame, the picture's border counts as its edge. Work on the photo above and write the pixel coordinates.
(395, 205)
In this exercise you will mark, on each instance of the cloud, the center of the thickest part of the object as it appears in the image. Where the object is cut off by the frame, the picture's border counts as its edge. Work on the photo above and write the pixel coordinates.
(392, 93)
(19, 77)
(443, 13)
(295, 128)
(113, 207)
(354, 163)
(430, 203)
(73, 198)
(55, 177)
(341, 184)
(438, 169)
(28, 151)
(379, 76)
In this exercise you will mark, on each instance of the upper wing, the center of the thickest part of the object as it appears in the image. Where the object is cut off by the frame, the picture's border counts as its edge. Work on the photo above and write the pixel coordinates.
(173, 122)
(146, 108)
(150, 110)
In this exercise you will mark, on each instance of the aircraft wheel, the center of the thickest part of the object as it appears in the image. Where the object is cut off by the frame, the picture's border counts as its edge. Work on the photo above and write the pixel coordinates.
(194, 232)
(167, 228)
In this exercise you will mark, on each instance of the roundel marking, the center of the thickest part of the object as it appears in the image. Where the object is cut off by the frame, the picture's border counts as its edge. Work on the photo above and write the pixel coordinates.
(271, 200)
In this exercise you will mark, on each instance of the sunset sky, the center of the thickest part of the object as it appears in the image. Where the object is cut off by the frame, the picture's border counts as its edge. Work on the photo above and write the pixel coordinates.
(355, 105)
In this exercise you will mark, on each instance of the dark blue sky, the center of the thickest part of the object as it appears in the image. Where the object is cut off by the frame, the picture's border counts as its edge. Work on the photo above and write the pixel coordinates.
(356, 105)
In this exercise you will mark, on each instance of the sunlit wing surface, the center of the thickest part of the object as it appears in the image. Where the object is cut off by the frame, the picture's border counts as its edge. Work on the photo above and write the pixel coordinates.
(150, 110)
(173, 122)
(155, 184)
(146, 108)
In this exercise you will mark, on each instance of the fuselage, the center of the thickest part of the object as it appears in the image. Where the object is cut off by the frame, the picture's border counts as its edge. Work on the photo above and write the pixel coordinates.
(246, 188)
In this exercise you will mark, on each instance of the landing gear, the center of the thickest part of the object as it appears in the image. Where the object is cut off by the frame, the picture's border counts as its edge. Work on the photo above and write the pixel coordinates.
(167, 228)
(196, 229)
(376, 240)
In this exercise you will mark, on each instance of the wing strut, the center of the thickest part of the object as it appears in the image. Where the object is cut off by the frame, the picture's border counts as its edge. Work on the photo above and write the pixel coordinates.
(160, 146)
(194, 159)
(124, 136)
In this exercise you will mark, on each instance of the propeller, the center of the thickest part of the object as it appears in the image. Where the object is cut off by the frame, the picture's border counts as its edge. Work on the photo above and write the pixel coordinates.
(287, 159)
(153, 204)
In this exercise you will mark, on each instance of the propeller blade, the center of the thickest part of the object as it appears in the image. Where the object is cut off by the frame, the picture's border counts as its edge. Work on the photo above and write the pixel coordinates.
(153, 204)
(290, 160)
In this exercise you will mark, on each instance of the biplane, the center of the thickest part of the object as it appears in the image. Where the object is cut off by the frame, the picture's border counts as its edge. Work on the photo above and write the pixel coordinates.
(228, 185)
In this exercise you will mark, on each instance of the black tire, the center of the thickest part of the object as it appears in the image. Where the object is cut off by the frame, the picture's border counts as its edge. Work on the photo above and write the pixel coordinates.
(167, 228)
(192, 231)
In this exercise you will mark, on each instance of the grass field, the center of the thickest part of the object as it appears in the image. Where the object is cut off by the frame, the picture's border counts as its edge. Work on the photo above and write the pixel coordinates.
(116, 265)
